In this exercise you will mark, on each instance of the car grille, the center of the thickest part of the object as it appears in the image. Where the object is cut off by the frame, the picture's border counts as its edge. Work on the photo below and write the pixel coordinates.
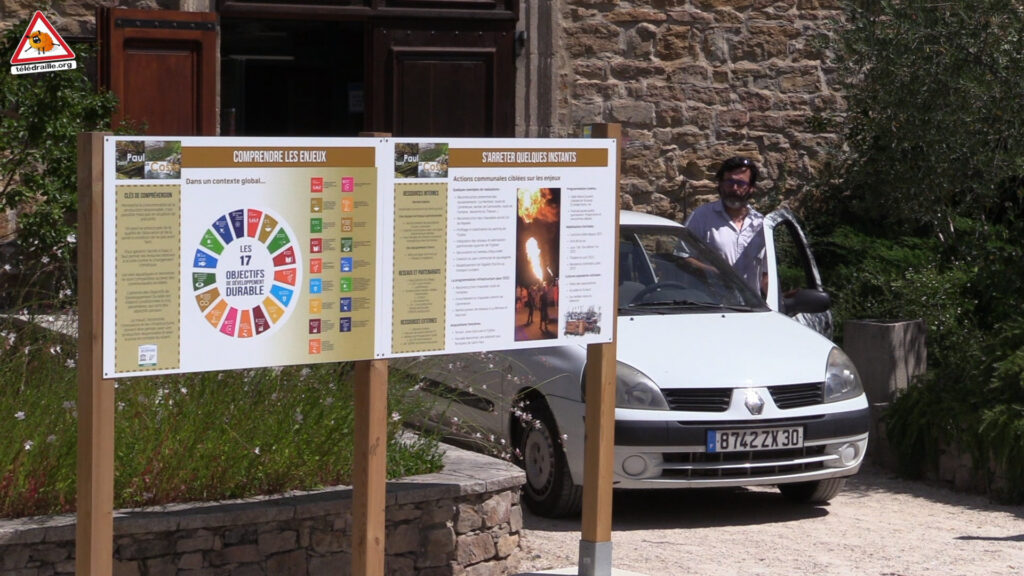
(717, 399)
(797, 395)
(700, 465)
(698, 399)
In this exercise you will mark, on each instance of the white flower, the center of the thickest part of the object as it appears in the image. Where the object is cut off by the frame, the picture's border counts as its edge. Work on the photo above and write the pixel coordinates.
(45, 259)
(70, 362)
(72, 238)
(51, 438)
(19, 415)
(29, 444)
(298, 417)
(68, 404)
(184, 391)
(395, 416)
(256, 450)
(9, 336)
(55, 350)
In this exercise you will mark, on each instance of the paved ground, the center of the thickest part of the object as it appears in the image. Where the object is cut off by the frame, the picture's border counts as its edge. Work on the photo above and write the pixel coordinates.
(879, 526)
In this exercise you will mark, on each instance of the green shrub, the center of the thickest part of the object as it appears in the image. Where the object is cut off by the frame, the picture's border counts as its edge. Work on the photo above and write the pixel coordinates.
(203, 436)
(1002, 420)
(42, 115)
(920, 214)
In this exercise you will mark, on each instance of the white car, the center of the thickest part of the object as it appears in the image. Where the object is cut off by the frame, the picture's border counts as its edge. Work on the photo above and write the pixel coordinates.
(715, 387)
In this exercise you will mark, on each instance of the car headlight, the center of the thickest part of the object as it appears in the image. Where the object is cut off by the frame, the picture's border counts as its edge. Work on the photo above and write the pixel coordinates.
(842, 381)
(633, 389)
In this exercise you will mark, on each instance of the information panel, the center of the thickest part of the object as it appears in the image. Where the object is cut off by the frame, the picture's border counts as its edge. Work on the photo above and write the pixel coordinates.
(225, 253)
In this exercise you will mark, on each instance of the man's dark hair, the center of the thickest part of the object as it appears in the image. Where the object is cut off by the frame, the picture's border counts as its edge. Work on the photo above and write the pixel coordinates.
(737, 163)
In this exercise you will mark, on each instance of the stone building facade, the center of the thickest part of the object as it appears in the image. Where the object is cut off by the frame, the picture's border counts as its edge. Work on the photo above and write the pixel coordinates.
(691, 82)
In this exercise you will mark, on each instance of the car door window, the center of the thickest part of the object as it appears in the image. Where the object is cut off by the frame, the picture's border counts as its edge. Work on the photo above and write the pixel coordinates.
(791, 268)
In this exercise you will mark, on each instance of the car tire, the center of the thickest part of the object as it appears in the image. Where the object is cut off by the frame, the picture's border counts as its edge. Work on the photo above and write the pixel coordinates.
(549, 490)
(817, 492)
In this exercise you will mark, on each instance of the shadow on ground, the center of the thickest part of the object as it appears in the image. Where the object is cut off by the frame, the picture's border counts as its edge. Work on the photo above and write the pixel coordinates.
(654, 509)
(705, 508)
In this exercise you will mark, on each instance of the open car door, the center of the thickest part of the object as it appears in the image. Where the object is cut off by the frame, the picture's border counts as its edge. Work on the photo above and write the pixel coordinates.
(794, 284)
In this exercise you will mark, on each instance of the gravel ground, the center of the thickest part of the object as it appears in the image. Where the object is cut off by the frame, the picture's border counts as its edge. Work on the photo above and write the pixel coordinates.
(879, 525)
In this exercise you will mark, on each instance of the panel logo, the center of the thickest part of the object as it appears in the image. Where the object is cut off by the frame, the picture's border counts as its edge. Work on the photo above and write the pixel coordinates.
(41, 49)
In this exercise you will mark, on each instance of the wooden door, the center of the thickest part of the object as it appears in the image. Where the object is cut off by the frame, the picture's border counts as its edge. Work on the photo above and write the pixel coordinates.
(162, 65)
(456, 79)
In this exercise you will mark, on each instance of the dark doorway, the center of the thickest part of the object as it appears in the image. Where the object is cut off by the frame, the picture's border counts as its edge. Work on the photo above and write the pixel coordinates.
(292, 77)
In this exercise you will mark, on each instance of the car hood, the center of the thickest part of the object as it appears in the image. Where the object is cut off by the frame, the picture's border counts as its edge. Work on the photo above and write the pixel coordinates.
(728, 350)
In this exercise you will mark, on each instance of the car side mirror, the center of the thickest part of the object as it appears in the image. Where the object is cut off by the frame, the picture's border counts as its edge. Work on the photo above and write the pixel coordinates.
(806, 301)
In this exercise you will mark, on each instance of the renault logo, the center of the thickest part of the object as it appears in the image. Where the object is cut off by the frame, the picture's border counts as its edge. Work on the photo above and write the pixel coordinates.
(754, 403)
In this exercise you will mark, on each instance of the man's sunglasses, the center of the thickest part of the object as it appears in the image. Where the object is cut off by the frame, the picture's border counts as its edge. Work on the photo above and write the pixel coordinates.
(738, 184)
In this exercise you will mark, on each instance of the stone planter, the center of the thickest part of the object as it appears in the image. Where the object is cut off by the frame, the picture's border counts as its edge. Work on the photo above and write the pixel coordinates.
(888, 356)
(465, 520)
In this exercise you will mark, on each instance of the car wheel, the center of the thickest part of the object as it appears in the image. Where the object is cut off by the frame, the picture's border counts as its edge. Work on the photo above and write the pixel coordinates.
(817, 492)
(549, 490)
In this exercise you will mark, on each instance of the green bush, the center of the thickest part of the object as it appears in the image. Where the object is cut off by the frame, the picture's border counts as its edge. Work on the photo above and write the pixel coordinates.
(920, 215)
(42, 115)
(203, 436)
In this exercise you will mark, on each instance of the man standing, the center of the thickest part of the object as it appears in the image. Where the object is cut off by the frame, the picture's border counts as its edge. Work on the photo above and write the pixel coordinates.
(731, 226)
(529, 306)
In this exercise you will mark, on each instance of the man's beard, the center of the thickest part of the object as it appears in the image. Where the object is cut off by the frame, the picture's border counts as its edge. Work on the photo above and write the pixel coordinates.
(733, 202)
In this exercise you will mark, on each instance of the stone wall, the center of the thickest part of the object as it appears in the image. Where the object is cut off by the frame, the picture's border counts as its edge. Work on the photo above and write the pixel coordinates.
(463, 521)
(696, 81)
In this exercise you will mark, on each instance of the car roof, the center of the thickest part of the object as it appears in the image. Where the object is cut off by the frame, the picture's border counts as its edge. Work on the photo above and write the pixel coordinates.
(630, 218)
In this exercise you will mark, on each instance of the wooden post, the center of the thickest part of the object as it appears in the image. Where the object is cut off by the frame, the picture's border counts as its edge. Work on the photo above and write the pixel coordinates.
(369, 482)
(94, 532)
(369, 477)
(599, 446)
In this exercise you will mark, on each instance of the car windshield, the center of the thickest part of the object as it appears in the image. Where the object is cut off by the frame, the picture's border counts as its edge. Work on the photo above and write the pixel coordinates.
(666, 270)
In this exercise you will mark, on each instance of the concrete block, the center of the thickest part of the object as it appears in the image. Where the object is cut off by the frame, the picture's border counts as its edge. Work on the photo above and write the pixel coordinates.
(888, 355)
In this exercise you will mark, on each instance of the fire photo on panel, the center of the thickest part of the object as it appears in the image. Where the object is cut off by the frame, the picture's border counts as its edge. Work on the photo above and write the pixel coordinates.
(537, 255)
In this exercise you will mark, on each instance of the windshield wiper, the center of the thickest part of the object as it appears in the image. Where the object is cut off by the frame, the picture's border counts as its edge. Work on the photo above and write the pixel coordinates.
(667, 303)
(689, 304)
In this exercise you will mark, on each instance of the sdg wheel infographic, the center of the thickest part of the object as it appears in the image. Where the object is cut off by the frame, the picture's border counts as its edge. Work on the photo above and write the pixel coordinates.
(246, 272)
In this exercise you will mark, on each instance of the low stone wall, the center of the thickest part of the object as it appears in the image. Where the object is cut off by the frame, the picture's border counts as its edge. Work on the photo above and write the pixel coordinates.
(465, 520)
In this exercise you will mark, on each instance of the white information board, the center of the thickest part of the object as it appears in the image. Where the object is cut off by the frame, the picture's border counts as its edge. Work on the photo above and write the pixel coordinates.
(226, 253)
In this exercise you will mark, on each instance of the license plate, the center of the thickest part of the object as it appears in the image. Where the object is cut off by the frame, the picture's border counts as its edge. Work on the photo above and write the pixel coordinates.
(755, 439)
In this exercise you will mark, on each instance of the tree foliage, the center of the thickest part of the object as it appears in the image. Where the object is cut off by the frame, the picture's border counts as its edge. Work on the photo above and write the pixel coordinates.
(922, 213)
(41, 116)
(935, 125)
